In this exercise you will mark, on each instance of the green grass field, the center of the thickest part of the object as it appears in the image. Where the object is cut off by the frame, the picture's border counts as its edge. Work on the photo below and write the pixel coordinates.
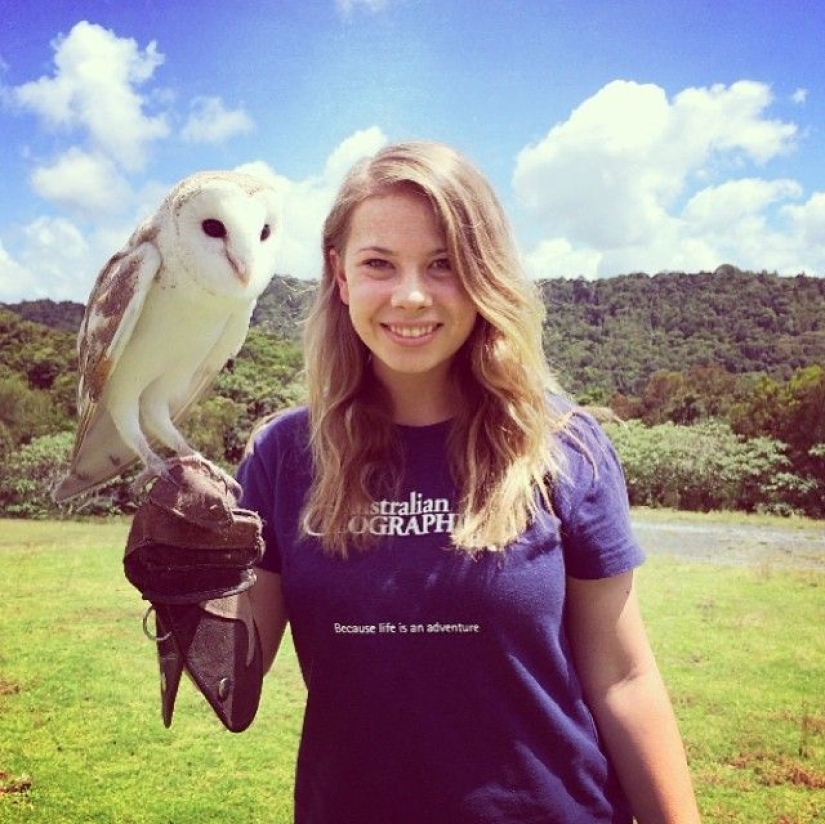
(81, 740)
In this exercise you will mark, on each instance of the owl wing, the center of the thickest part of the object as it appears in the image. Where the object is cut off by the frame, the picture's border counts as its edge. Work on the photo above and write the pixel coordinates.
(226, 346)
(114, 307)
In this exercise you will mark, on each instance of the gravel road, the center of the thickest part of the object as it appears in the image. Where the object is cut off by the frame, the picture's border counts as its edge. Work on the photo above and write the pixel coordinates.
(720, 542)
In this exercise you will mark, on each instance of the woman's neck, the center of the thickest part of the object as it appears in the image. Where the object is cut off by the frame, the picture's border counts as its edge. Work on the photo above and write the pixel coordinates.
(421, 401)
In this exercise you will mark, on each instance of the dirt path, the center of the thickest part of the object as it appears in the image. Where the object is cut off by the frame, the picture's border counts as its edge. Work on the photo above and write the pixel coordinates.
(721, 542)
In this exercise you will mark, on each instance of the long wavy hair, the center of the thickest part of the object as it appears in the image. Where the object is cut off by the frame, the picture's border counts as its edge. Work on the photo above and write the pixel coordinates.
(502, 451)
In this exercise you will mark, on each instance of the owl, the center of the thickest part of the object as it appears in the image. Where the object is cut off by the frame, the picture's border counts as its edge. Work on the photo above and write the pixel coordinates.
(164, 316)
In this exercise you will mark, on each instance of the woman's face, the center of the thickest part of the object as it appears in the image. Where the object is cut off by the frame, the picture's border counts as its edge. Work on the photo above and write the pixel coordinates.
(405, 301)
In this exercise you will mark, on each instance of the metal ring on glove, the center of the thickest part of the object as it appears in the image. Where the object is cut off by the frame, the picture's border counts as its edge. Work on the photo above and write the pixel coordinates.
(147, 632)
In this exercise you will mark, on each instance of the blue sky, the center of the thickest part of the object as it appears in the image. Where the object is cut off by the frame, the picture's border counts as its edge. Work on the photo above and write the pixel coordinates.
(621, 136)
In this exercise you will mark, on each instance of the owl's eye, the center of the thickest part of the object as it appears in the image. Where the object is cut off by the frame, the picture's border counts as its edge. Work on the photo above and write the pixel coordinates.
(213, 228)
(265, 232)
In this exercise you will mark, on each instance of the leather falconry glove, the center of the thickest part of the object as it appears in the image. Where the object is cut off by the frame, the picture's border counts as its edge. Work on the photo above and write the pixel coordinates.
(191, 553)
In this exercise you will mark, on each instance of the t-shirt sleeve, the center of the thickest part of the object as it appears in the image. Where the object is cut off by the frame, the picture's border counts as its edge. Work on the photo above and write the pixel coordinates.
(258, 495)
(592, 503)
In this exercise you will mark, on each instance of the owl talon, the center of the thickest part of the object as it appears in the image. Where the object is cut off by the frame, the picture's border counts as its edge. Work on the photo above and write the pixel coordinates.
(150, 473)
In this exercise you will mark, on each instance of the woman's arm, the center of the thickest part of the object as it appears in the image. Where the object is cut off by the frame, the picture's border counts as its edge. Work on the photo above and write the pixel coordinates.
(269, 612)
(628, 699)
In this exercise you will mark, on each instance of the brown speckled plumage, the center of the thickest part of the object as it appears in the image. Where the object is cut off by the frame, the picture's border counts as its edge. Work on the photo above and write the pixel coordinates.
(164, 315)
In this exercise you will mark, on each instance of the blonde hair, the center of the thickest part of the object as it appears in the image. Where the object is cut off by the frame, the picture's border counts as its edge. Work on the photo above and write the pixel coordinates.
(502, 452)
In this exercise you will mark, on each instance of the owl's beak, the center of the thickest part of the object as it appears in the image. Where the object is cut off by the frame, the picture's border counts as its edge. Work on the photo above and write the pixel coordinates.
(238, 266)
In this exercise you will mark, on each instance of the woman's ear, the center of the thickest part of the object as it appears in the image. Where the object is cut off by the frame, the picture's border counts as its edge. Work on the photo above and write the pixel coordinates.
(337, 266)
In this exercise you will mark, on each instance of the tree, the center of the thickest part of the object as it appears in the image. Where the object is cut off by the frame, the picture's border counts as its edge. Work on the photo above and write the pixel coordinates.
(792, 412)
(706, 467)
(24, 413)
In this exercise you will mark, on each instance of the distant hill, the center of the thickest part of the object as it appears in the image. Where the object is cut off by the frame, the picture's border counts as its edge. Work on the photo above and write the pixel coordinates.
(610, 335)
(64, 316)
(614, 333)
(279, 310)
(283, 305)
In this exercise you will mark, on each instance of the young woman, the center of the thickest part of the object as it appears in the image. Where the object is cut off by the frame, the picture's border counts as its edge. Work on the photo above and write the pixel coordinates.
(448, 537)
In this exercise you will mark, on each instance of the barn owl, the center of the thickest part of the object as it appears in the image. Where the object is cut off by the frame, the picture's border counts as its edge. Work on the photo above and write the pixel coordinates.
(164, 316)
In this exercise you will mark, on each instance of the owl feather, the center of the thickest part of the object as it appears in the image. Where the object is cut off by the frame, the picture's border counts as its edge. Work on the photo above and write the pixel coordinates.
(164, 316)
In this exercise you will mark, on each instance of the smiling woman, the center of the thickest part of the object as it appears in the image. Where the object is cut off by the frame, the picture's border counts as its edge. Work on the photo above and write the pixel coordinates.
(424, 314)
(407, 304)
(448, 537)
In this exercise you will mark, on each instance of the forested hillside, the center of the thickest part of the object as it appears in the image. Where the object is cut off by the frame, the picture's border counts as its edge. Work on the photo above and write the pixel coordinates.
(611, 335)
(738, 357)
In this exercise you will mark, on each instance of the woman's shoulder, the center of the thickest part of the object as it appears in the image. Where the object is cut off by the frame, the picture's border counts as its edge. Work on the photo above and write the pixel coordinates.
(578, 427)
(584, 447)
(280, 430)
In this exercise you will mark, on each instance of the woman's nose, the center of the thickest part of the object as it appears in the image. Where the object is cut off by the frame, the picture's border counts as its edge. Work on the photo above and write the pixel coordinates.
(411, 291)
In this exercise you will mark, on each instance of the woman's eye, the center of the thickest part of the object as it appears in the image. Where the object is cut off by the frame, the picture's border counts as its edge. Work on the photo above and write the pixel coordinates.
(377, 267)
(442, 266)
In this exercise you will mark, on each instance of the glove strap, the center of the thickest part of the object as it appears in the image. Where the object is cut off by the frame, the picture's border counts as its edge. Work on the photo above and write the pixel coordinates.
(218, 645)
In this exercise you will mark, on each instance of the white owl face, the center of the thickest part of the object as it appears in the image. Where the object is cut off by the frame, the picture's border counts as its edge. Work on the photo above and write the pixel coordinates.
(223, 234)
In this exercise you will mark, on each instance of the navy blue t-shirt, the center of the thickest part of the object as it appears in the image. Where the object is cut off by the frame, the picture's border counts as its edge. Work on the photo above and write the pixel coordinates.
(440, 685)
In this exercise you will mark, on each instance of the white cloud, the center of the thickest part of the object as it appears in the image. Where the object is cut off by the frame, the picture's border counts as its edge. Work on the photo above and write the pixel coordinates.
(82, 182)
(557, 258)
(718, 206)
(306, 202)
(610, 180)
(52, 257)
(801, 247)
(57, 236)
(93, 91)
(211, 122)
(799, 96)
(809, 219)
(729, 119)
(15, 279)
(358, 145)
(573, 179)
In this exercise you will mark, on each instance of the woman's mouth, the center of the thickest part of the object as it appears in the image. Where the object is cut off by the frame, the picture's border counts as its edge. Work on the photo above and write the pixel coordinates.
(412, 332)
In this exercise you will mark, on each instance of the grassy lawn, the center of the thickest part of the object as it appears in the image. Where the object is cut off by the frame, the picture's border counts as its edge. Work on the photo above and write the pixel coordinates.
(81, 740)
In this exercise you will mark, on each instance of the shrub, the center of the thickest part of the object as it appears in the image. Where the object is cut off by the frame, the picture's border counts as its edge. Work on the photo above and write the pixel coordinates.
(29, 472)
(708, 466)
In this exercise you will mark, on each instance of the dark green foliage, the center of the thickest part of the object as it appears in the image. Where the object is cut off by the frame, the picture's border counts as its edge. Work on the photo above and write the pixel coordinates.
(45, 358)
(684, 397)
(25, 413)
(792, 412)
(613, 334)
(29, 472)
(263, 379)
(610, 336)
(707, 467)
(38, 379)
(64, 316)
(722, 376)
